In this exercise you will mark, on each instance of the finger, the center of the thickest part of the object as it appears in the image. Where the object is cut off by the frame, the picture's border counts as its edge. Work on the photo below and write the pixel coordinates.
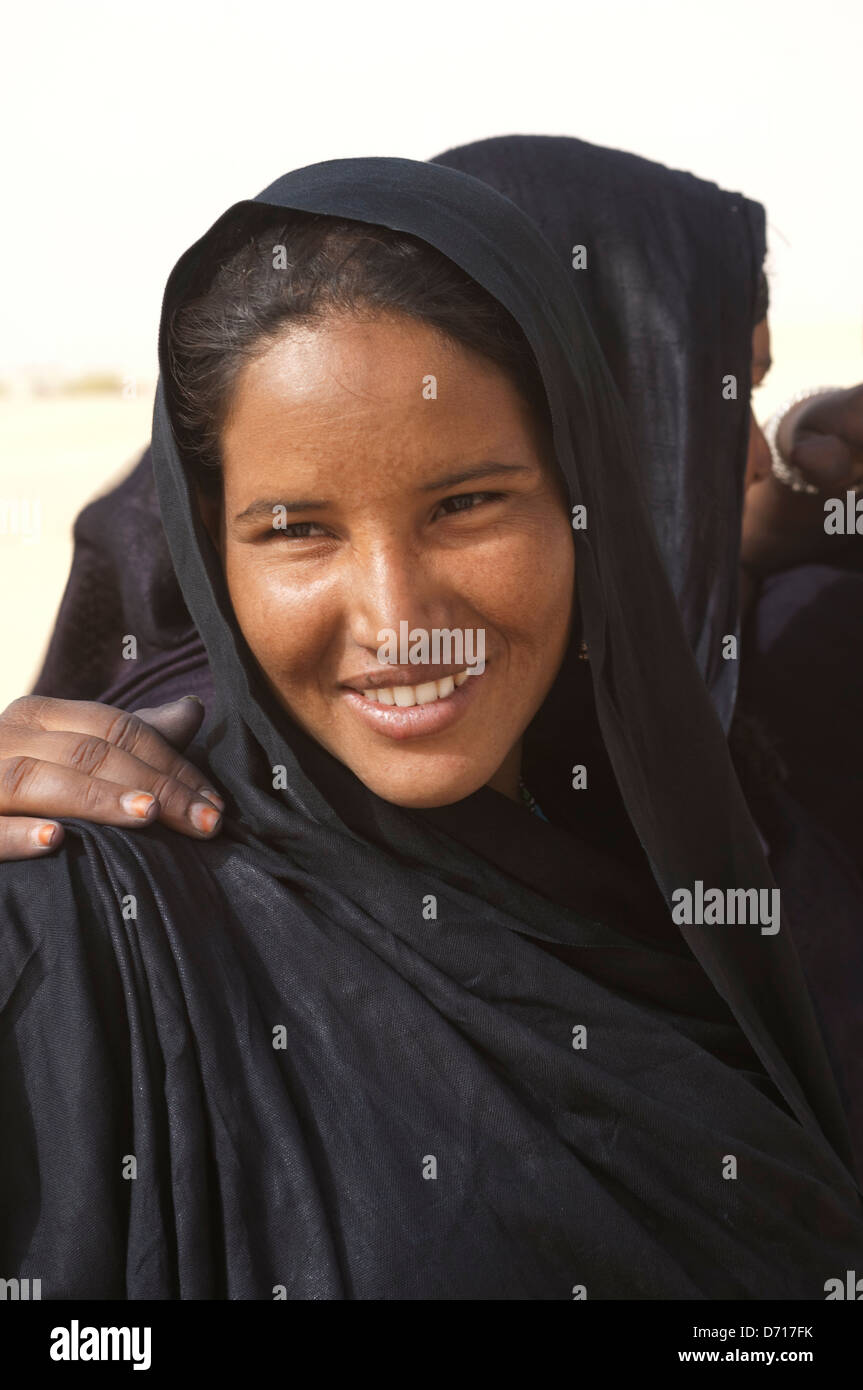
(24, 838)
(838, 412)
(823, 459)
(177, 722)
(179, 804)
(851, 426)
(29, 785)
(123, 730)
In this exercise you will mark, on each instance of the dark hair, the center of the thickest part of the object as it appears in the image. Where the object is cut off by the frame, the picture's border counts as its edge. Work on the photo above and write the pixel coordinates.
(298, 268)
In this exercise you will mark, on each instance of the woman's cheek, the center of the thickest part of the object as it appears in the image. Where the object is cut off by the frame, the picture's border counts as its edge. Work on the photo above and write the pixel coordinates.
(267, 609)
(527, 581)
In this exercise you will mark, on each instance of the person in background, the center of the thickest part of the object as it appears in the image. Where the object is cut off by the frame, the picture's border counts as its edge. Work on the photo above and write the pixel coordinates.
(802, 596)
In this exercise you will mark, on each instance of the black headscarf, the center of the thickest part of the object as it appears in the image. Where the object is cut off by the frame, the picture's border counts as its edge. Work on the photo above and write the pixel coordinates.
(672, 272)
(429, 1129)
(672, 266)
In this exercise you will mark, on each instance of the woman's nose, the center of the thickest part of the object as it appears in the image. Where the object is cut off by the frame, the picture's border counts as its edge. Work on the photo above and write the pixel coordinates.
(392, 586)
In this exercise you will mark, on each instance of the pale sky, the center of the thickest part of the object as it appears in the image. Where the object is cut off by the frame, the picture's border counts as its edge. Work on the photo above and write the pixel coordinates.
(129, 128)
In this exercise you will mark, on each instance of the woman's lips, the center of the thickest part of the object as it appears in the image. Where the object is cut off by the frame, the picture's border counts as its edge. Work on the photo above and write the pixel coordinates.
(414, 721)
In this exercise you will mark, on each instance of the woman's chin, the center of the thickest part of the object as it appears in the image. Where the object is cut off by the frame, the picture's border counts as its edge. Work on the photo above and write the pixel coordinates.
(426, 790)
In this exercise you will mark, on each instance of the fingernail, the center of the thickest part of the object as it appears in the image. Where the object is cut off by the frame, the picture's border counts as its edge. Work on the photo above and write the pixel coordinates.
(214, 797)
(139, 804)
(203, 817)
(43, 835)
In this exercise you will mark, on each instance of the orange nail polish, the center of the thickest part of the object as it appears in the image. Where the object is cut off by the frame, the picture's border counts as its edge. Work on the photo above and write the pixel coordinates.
(44, 835)
(214, 797)
(137, 803)
(203, 817)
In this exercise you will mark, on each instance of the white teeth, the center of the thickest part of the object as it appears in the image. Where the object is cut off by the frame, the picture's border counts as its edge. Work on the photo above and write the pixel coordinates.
(423, 694)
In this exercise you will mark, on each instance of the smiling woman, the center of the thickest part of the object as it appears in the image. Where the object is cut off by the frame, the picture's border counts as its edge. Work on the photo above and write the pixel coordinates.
(331, 343)
(339, 410)
(391, 1036)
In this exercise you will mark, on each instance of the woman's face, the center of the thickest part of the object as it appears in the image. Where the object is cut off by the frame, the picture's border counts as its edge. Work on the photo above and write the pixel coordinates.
(358, 496)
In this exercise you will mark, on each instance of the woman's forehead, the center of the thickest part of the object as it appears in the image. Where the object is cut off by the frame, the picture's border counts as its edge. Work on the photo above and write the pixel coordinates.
(356, 385)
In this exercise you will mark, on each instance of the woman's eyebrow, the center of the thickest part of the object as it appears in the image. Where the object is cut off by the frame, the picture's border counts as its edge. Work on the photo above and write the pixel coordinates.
(265, 506)
(480, 470)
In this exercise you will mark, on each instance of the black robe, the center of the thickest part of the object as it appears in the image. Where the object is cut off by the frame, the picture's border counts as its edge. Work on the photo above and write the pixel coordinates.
(353, 1051)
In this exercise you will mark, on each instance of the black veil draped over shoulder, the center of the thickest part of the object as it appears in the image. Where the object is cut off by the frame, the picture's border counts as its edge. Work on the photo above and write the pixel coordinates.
(262, 1067)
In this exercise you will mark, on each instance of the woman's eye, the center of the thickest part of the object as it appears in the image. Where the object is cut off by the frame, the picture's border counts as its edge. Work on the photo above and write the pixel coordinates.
(298, 530)
(467, 501)
(312, 530)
